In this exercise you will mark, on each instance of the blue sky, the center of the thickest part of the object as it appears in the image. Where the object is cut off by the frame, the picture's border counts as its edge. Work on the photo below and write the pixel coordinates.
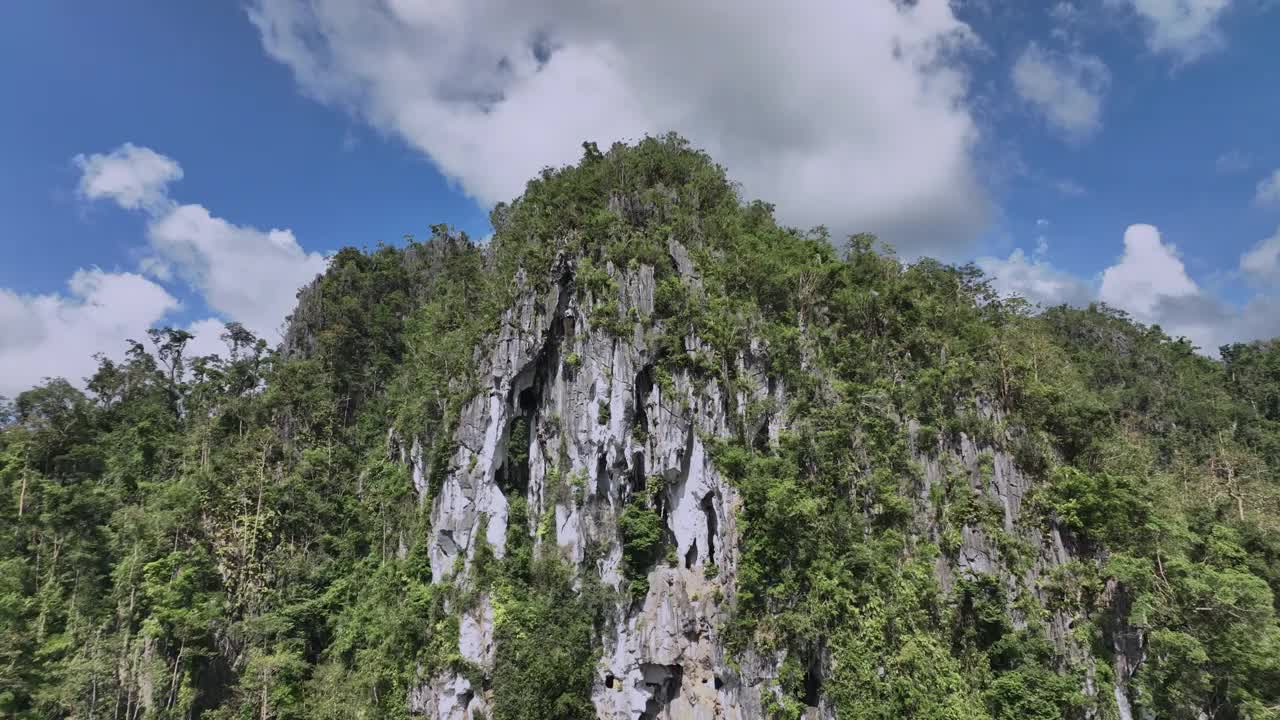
(189, 163)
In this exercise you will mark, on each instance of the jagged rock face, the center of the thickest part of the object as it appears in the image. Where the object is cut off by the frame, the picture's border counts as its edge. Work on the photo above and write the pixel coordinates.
(448, 698)
(592, 407)
(599, 428)
(992, 473)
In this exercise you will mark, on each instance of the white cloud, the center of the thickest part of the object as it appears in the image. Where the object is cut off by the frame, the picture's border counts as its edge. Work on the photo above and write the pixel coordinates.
(1035, 279)
(243, 273)
(56, 335)
(207, 338)
(248, 275)
(1268, 192)
(853, 114)
(1210, 323)
(1148, 270)
(134, 177)
(1067, 89)
(1185, 29)
(1150, 282)
(156, 268)
(1262, 262)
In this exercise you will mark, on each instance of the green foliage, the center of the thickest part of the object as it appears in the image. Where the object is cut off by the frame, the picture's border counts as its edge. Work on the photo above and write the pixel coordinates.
(1102, 506)
(1032, 693)
(240, 535)
(640, 529)
(546, 649)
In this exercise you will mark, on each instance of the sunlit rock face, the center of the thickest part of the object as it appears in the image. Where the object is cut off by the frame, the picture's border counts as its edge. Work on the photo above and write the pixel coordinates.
(601, 430)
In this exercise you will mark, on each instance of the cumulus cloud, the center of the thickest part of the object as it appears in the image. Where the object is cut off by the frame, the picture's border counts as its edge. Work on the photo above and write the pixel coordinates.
(243, 273)
(1148, 271)
(134, 177)
(1151, 283)
(1035, 279)
(1210, 322)
(207, 338)
(1262, 262)
(57, 334)
(1067, 89)
(852, 114)
(1184, 29)
(1268, 192)
(246, 274)
(156, 268)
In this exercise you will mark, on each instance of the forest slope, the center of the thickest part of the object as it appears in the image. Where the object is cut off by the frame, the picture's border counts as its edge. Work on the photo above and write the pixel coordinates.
(648, 454)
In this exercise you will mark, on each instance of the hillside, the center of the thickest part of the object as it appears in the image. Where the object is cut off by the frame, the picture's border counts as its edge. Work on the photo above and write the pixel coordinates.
(648, 454)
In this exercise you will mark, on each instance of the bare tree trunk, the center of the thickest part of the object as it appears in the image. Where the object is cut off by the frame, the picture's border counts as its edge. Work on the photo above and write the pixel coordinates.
(266, 683)
(124, 641)
(177, 665)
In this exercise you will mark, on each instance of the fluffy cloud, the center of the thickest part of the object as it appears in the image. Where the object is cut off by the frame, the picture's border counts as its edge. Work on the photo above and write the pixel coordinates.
(1210, 323)
(243, 273)
(852, 114)
(134, 177)
(1067, 89)
(248, 275)
(1148, 271)
(1035, 279)
(56, 335)
(1150, 282)
(1268, 192)
(1262, 262)
(208, 338)
(1185, 29)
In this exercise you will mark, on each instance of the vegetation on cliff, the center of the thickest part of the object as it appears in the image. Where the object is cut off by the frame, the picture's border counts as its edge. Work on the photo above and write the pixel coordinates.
(239, 535)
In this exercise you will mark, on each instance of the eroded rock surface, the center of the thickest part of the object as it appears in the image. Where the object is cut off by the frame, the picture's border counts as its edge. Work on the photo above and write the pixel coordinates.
(599, 429)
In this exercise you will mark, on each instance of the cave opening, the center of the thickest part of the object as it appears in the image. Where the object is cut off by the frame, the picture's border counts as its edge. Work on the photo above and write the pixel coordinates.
(513, 475)
(709, 510)
(813, 685)
(602, 476)
(663, 683)
(760, 443)
(641, 388)
(638, 479)
(528, 400)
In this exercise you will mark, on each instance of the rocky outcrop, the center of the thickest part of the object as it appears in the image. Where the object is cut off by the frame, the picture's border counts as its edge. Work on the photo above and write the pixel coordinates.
(601, 429)
(448, 698)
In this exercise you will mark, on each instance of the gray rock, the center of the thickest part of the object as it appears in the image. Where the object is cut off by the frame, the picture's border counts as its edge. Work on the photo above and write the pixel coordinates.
(602, 431)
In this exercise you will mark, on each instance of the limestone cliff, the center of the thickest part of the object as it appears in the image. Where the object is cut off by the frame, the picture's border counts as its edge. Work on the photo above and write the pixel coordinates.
(599, 430)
